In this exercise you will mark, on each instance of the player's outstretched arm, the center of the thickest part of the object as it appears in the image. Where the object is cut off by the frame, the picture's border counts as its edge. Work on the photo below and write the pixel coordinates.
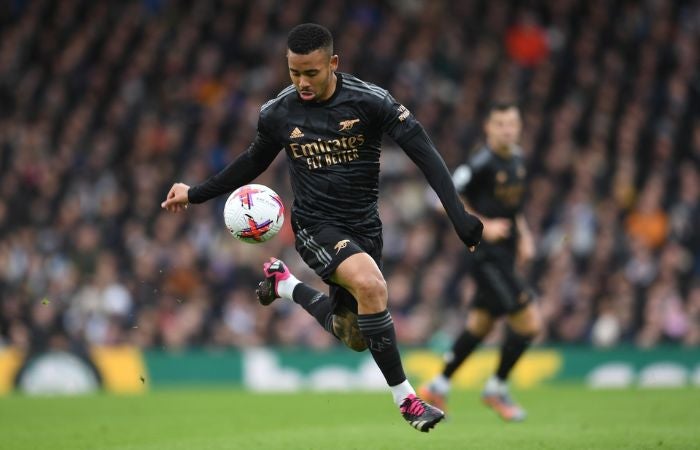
(397, 122)
(423, 153)
(244, 169)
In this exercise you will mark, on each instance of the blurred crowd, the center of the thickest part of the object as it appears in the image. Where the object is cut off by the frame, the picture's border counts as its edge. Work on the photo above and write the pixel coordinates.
(103, 105)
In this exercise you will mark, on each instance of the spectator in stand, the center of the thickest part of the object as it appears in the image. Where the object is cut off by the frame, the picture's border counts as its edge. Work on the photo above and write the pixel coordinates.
(113, 102)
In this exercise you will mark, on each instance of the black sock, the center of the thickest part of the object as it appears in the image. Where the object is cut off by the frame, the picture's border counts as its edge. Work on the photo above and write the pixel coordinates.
(380, 336)
(315, 303)
(511, 351)
(462, 347)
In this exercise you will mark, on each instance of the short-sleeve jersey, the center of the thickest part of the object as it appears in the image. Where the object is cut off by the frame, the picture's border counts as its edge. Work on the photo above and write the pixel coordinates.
(333, 149)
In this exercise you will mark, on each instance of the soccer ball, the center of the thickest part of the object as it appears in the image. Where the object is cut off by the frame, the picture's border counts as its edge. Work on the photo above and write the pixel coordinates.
(254, 213)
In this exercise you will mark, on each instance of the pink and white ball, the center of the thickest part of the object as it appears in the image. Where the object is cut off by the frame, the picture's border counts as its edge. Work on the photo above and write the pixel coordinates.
(254, 213)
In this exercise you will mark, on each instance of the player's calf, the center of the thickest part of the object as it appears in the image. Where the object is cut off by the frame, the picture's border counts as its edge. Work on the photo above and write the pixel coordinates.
(345, 327)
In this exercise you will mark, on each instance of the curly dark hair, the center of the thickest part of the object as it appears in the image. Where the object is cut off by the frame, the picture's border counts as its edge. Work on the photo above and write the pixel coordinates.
(307, 37)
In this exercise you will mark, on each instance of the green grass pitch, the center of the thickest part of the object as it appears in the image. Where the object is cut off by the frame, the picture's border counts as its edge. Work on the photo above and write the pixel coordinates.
(567, 417)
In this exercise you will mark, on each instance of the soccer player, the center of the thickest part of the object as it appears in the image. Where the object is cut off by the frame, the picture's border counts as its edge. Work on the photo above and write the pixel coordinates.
(492, 185)
(330, 125)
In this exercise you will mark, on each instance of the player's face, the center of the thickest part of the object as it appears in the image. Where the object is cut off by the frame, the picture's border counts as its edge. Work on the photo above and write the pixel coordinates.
(313, 74)
(503, 128)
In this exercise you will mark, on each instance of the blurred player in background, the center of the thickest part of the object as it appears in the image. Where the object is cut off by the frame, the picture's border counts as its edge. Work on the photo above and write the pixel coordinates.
(330, 125)
(492, 185)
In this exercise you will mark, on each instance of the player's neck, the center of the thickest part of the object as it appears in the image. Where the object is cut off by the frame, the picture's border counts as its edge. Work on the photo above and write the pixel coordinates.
(331, 88)
(501, 150)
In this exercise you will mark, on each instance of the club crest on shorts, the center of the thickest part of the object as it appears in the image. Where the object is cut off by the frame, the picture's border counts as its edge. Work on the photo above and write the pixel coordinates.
(341, 245)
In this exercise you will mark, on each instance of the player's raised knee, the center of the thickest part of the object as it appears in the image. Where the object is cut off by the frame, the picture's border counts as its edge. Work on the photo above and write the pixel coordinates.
(371, 291)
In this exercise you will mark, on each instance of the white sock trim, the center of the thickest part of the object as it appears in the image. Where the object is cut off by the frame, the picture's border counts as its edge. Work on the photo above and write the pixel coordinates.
(401, 391)
(440, 384)
(496, 386)
(285, 288)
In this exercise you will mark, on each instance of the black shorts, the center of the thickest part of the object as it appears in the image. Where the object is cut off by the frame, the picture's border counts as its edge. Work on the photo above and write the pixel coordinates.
(499, 289)
(323, 247)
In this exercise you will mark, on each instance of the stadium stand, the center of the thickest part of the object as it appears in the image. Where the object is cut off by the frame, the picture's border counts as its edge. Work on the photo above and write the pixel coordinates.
(103, 104)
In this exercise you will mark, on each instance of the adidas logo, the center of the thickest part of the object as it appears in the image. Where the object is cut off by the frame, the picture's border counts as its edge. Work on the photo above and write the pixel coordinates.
(296, 133)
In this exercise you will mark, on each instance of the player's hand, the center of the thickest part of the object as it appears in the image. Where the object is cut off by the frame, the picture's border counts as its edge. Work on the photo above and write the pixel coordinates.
(526, 250)
(496, 229)
(471, 233)
(177, 199)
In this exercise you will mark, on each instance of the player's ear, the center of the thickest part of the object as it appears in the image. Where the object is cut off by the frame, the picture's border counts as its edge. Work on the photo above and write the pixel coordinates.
(334, 63)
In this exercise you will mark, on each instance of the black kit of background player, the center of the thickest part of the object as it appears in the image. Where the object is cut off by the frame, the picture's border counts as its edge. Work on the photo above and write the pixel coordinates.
(492, 184)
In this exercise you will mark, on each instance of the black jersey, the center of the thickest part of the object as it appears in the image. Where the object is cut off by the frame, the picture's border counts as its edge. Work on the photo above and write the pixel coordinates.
(492, 184)
(333, 148)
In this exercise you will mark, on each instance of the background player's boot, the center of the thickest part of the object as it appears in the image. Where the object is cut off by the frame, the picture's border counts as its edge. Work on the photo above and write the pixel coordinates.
(497, 397)
(419, 414)
(275, 271)
(345, 327)
(433, 395)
